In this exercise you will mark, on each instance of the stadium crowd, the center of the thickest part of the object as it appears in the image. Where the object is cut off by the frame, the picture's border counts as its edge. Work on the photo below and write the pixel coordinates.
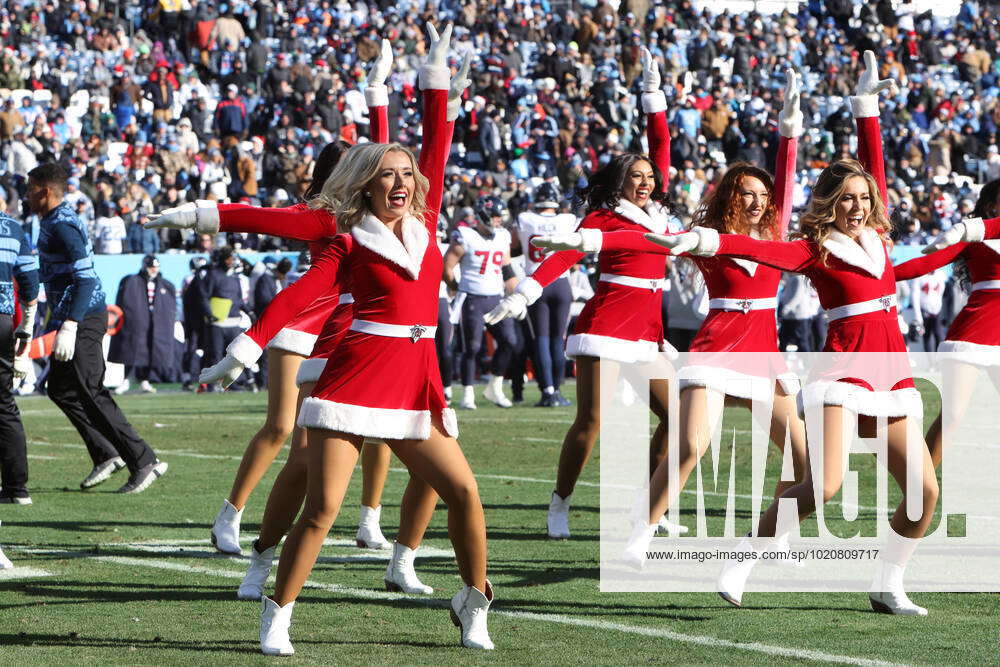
(148, 105)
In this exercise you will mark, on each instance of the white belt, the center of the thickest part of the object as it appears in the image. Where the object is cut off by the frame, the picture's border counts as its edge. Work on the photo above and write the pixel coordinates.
(345, 298)
(986, 284)
(630, 281)
(746, 305)
(885, 303)
(414, 332)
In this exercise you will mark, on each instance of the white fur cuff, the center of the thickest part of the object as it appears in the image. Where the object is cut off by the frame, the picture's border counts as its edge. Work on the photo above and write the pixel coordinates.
(654, 101)
(593, 239)
(708, 242)
(207, 217)
(244, 350)
(790, 128)
(530, 289)
(864, 106)
(377, 95)
(975, 230)
(434, 78)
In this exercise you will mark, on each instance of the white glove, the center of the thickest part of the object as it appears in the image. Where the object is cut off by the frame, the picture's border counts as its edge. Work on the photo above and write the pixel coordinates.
(650, 72)
(376, 94)
(869, 83)
(969, 230)
(225, 372)
(65, 345)
(585, 240)
(790, 120)
(22, 365)
(459, 83)
(27, 325)
(688, 85)
(678, 243)
(513, 305)
(434, 73)
(201, 216)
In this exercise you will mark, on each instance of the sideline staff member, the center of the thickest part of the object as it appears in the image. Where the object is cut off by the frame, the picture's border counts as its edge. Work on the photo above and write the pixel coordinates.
(77, 308)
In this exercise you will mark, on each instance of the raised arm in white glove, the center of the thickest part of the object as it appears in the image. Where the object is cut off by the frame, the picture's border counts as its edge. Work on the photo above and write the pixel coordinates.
(653, 99)
(459, 83)
(376, 93)
(790, 120)
(202, 216)
(65, 345)
(968, 231)
(864, 103)
(434, 73)
(584, 240)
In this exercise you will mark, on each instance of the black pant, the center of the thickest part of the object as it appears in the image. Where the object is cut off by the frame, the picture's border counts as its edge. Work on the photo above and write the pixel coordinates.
(473, 309)
(549, 317)
(13, 447)
(77, 387)
(442, 341)
(194, 340)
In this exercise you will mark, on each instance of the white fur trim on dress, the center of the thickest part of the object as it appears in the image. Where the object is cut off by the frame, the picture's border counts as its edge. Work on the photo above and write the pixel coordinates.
(653, 217)
(975, 229)
(869, 255)
(244, 350)
(377, 95)
(975, 354)
(654, 101)
(409, 255)
(747, 265)
(290, 340)
(708, 242)
(434, 78)
(206, 217)
(726, 381)
(864, 106)
(310, 370)
(898, 403)
(607, 347)
(530, 289)
(593, 240)
(380, 423)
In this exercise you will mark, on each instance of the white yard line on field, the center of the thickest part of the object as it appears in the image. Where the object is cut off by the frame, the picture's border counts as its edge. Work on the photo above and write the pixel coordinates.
(22, 573)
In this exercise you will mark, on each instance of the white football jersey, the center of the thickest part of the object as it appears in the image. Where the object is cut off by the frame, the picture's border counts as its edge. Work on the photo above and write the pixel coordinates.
(482, 260)
(443, 289)
(540, 224)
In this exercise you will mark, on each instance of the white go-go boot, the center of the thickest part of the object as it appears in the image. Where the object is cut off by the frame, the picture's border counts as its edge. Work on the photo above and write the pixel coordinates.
(887, 595)
(274, 624)
(369, 534)
(468, 611)
(226, 529)
(400, 575)
(252, 587)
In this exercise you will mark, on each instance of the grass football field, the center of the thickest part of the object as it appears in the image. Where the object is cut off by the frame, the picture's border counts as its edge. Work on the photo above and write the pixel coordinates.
(103, 578)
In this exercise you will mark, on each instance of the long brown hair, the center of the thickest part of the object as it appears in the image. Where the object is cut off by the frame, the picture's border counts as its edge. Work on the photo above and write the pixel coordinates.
(723, 209)
(816, 224)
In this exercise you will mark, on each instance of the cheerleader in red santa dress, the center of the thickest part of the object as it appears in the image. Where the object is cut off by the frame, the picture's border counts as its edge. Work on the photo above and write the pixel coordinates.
(973, 340)
(622, 322)
(299, 338)
(741, 319)
(841, 247)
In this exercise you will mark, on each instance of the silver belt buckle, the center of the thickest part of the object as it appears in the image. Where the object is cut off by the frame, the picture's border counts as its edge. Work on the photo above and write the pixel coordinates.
(654, 285)
(744, 305)
(417, 332)
(886, 302)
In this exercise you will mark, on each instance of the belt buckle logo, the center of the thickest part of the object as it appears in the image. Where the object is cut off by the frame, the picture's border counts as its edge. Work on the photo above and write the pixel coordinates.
(417, 332)
(886, 302)
(744, 305)
(654, 285)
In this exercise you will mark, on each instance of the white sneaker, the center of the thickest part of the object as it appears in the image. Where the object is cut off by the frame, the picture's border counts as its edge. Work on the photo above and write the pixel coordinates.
(634, 554)
(102, 471)
(887, 595)
(369, 534)
(468, 399)
(558, 519)
(274, 624)
(123, 387)
(469, 608)
(400, 576)
(447, 394)
(666, 527)
(252, 586)
(226, 529)
(147, 388)
(494, 392)
(5, 563)
(733, 578)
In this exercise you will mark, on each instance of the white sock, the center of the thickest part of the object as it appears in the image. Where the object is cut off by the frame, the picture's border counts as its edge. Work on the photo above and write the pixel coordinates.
(470, 392)
(550, 389)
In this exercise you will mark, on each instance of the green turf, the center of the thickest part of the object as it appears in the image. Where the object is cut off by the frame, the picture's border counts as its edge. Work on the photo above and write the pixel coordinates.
(93, 609)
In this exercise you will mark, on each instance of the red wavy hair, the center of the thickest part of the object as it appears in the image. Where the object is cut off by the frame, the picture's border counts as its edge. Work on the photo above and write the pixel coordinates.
(723, 209)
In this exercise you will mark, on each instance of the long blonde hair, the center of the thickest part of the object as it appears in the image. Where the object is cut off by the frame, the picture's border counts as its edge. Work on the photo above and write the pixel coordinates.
(343, 194)
(816, 224)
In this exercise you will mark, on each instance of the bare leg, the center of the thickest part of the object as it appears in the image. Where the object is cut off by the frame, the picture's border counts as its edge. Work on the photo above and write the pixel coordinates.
(896, 461)
(332, 456)
(659, 399)
(785, 421)
(440, 461)
(415, 512)
(958, 382)
(375, 457)
(281, 409)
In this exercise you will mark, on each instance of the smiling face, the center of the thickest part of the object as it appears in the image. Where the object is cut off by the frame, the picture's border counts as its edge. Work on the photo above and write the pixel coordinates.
(755, 196)
(639, 183)
(390, 193)
(853, 207)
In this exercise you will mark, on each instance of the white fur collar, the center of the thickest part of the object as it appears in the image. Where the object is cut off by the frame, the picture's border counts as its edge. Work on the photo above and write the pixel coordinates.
(747, 265)
(993, 244)
(409, 255)
(869, 255)
(654, 217)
